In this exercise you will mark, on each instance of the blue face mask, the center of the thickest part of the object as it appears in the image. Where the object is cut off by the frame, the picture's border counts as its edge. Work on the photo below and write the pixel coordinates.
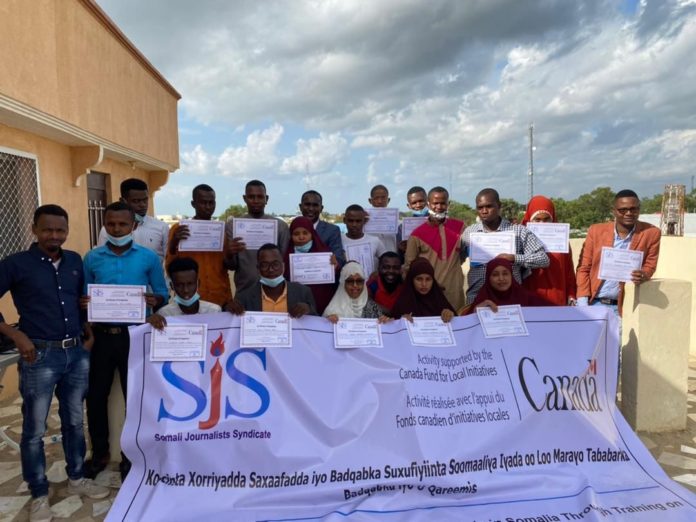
(304, 248)
(272, 282)
(119, 241)
(187, 302)
(139, 218)
(420, 213)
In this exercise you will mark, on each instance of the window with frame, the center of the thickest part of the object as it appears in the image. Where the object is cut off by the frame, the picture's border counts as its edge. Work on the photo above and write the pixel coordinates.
(19, 198)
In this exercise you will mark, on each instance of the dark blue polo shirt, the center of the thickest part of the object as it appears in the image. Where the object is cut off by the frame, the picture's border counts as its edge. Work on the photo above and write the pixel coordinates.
(46, 298)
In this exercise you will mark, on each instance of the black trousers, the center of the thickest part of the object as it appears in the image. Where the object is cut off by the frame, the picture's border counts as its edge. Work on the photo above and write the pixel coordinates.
(110, 353)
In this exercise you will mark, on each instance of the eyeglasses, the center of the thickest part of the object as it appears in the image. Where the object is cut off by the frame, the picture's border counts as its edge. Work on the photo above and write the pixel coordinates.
(273, 265)
(632, 210)
(355, 282)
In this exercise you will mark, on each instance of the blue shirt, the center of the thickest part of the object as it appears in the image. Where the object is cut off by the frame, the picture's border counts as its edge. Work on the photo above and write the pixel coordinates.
(136, 266)
(46, 297)
(610, 289)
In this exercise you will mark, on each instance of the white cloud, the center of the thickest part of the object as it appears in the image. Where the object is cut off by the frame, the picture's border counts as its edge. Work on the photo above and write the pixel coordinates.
(317, 155)
(196, 161)
(257, 156)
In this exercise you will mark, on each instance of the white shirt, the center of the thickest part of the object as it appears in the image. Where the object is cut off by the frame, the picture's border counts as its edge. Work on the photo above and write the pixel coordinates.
(173, 308)
(151, 233)
(376, 248)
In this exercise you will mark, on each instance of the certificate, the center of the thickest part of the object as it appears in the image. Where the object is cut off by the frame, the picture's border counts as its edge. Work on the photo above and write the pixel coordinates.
(487, 245)
(255, 232)
(265, 330)
(554, 236)
(409, 224)
(382, 221)
(204, 236)
(362, 253)
(314, 268)
(616, 264)
(508, 321)
(430, 331)
(179, 342)
(357, 333)
(116, 304)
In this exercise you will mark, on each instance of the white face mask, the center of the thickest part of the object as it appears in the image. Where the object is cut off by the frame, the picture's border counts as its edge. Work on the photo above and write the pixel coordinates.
(437, 215)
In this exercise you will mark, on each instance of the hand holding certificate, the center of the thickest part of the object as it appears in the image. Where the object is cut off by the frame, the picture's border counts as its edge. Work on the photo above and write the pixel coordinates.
(312, 269)
(382, 221)
(487, 245)
(204, 236)
(616, 264)
(116, 304)
(362, 253)
(508, 321)
(430, 331)
(265, 330)
(255, 232)
(357, 333)
(179, 342)
(554, 236)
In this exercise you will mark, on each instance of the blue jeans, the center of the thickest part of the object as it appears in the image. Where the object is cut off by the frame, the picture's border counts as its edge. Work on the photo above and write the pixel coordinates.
(66, 372)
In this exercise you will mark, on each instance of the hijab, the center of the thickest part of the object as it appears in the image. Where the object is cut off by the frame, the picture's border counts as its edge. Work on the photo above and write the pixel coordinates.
(317, 244)
(342, 304)
(412, 302)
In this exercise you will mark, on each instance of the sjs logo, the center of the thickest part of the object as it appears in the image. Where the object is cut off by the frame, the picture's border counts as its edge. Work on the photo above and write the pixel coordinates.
(214, 394)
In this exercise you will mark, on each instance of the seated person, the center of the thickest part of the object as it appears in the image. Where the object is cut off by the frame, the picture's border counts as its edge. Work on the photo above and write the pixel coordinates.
(304, 239)
(500, 289)
(385, 285)
(351, 299)
(183, 273)
(272, 293)
(421, 295)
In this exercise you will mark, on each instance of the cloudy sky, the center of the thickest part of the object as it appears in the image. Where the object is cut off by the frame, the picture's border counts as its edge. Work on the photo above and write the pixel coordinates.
(339, 95)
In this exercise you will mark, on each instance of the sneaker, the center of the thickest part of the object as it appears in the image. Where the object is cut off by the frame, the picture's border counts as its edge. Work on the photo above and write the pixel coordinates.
(94, 466)
(87, 488)
(40, 510)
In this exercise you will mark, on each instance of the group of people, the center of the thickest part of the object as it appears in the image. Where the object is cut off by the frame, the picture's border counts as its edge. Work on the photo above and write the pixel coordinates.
(421, 275)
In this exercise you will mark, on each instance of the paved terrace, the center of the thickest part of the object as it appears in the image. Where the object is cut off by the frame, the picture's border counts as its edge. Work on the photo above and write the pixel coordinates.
(675, 451)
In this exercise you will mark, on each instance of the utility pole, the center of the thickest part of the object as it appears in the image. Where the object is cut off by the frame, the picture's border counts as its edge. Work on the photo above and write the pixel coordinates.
(530, 182)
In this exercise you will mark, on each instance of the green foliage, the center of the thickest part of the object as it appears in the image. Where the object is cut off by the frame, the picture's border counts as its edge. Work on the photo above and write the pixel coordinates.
(586, 210)
(461, 211)
(511, 209)
(233, 211)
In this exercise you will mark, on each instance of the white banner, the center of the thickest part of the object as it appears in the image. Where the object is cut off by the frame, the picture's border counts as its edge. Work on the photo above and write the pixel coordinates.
(508, 429)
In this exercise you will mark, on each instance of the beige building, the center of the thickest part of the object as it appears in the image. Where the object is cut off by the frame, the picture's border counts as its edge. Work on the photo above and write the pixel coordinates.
(81, 109)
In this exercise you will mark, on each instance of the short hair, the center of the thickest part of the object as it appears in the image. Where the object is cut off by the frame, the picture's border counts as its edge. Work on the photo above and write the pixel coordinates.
(182, 264)
(354, 208)
(49, 210)
(389, 255)
(255, 183)
(268, 246)
(119, 206)
(415, 190)
(438, 190)
(489, 192)
(132, 184)
(378, 187)
(201, 188)
(626, 193)
(312, 193)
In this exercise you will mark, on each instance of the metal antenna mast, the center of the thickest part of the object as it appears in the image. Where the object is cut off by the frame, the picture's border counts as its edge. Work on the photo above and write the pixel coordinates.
(530, 183)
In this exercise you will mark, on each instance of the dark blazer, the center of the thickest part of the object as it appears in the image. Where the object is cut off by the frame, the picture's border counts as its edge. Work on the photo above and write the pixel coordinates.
(250, 297)
(330, 235)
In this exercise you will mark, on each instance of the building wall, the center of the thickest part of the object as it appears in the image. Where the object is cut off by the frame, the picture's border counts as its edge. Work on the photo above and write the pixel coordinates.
(58, 58)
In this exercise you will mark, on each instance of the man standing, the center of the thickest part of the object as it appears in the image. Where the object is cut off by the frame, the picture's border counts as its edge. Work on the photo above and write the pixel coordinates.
(241, 259)
(214, 279)
(271, 292)
(384, 287)
(311, 206)
(379, 198)
(439, 240)
(148, 232)
(417, 202)
(119, 262)
(46, 284)
(360, 247)
(529, 251)
(625, 232)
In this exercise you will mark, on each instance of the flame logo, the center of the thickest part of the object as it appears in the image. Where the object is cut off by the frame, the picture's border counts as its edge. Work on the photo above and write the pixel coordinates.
(217, 348)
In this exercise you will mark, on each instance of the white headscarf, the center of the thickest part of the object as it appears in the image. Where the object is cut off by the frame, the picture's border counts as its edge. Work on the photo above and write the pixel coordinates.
(341, 304)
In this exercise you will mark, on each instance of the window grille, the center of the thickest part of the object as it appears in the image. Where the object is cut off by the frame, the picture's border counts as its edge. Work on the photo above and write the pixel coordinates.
(19, 198)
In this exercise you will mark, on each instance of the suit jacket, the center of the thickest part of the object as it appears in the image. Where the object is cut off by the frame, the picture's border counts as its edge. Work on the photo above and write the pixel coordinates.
(250, 297)
(646, 238)
(330, 235)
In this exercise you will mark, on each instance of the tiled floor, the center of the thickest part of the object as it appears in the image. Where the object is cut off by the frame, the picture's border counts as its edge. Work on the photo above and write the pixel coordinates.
(676, 452)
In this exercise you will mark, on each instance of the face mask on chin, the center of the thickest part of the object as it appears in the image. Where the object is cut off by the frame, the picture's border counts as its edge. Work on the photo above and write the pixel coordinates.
(304, 248)
(421, 213)
(119, 241)
(437, 215)
(272, 282)
(187, 302)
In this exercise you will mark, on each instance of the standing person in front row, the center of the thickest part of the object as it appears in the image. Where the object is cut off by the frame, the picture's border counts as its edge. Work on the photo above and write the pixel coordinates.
(46, 284)
(624, 232)
(422, 296)
(356, 243)
(529, 251)
(555, 283)
(271, 292)
(351, 299)
(311, 207)
(120, 262)
(439, 240)
(214, 281)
